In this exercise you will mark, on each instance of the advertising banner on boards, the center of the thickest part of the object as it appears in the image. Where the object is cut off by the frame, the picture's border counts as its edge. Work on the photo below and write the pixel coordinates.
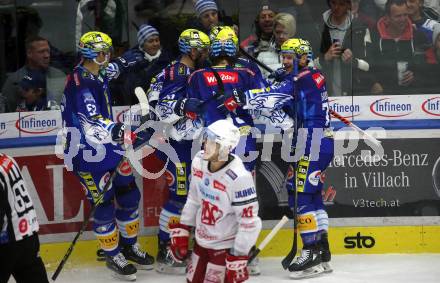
(404, 181)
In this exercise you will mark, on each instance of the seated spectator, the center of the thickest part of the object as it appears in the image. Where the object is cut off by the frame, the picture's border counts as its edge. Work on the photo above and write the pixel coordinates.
(147, 60)
(37, 58)
(284, 27)
(254, 44)
(34, 96)
(397, 50)
(343, 46)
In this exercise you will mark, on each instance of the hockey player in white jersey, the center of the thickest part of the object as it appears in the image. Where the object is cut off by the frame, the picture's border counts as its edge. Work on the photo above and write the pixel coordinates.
(222, 206)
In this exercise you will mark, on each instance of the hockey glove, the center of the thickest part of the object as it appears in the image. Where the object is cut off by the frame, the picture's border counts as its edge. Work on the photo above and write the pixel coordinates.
(189, 107)
(122, 64)
(288, 107)
(277, 75)
(122, 135)
(234, 100)
(236, 269)
(179, 235)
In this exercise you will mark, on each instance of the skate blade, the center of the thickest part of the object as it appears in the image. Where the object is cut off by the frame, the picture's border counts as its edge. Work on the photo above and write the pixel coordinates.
(174, 270)
(129, 277)
(254, 270)
(143, 266)
(308, 273)
(327, 267)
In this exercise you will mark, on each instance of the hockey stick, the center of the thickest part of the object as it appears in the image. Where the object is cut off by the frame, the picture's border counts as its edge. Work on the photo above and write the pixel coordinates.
(254, 253)
(332, 112)
(292, 253)
(144, 110)
(350, 124)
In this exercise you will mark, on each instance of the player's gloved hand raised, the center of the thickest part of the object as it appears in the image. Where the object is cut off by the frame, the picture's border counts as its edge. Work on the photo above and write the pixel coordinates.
(278, 75)
(122, 63)
(235, 99)
(236, 269)
(130, 58)
(189, 107)
(179, 234)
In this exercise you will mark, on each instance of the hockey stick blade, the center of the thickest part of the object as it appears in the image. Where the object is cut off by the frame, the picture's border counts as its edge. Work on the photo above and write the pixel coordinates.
(253, 254)
(291, 255)
(143, 100)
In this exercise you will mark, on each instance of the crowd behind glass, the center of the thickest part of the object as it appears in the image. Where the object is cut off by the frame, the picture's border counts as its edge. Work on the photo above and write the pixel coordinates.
(364, 47)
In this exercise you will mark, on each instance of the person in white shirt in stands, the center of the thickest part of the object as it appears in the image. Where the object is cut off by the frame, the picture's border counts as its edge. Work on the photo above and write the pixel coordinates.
(222, 206)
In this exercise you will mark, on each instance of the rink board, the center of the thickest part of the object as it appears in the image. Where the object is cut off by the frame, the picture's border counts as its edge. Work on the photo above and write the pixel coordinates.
(343, 240)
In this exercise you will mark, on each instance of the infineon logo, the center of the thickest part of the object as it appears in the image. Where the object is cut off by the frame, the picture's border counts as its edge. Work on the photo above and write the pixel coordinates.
(385, 107)
(345, 110)
(124, 116)
(432, 106)
(32, 124)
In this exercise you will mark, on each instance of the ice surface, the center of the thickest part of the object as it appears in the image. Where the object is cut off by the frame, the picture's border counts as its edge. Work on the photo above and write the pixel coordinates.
(414, 268)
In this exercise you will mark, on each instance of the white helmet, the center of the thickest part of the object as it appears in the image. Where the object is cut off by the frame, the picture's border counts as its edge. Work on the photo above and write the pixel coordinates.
(225, 133)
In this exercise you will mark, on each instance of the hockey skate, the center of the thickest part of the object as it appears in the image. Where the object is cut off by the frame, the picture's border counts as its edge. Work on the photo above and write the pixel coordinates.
(166, 263)
(121, 268)
(139, 258)
(325, 254)
(307, 265)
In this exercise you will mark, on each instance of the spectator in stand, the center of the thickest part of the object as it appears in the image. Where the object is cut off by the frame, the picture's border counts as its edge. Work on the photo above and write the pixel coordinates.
(147, 60)
(254, 44)
(397, 50)
(37, 58)
(432, 8)
(207, 13)
(429, 82)
(34, 96)
(343, 50)
(284, 27)
(309, 15)
(421, 20)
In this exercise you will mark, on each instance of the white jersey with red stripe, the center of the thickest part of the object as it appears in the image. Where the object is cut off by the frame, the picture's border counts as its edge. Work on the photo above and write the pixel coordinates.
(222, 206)
(17, 213)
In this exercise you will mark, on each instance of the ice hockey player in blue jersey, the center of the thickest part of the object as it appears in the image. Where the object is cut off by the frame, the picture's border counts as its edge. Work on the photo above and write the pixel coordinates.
(94, 144)
(303, 95)
(223, 98)
(316, 152)
(239, 61)
(174, 106)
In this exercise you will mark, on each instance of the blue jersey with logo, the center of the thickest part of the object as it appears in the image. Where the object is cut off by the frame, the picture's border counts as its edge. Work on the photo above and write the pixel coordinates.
(87, 116)
(174, 87)
(203, 85)
(312, 99)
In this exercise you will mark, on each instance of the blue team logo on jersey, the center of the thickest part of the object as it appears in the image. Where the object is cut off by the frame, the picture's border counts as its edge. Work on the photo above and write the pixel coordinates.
(206, 182)
(269, 100)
